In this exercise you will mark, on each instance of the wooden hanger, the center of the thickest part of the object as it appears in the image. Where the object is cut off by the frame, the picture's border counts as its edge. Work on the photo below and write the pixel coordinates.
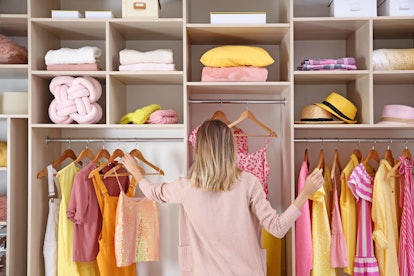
(321, 161)
(68, 153)
(85, 153)
(102, 153)
(336, 165)
(306, 158)
(247, 114)
(394, 170)
(219, 115)
(373, 154)
(388, 156)
(117, 153)
(137, 154)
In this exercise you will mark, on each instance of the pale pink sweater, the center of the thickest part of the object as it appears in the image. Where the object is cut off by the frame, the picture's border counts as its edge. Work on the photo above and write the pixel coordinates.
(220, 232)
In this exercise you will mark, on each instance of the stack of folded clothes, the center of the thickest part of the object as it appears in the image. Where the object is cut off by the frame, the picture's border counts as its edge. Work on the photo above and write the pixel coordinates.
(345, 63)
(233, 63)
(68, 59)
(156, 60)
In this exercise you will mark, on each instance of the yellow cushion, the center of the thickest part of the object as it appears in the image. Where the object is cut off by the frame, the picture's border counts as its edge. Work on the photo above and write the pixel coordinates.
(236, 55)
(3, 154)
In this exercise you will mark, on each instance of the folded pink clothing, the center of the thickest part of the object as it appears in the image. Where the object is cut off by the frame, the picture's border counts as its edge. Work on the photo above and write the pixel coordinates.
(147, 67)
(73, 67)
(163, 116)
(235, 73)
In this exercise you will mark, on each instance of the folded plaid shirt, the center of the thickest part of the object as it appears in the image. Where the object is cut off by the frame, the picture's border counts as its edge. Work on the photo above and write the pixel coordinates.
(344, 60)
(309, 67)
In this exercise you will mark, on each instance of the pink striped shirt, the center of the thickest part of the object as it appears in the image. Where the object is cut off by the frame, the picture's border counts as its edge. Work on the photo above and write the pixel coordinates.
(406, 244)
(361, 184)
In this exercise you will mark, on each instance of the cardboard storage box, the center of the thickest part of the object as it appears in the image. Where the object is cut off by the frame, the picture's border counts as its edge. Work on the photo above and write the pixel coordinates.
(140, 9)
(353, 8)
(13, 103)
(396, 7)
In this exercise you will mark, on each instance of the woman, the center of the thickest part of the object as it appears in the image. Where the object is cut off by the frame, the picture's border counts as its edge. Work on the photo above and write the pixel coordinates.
(222, 209)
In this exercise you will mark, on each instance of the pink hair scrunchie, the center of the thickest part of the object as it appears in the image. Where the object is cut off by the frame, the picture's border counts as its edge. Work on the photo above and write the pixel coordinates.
(165, 116)
(75, 100)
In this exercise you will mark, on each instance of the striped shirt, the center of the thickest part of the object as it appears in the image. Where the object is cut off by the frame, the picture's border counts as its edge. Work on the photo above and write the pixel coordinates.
(406, 244)
(361, 184)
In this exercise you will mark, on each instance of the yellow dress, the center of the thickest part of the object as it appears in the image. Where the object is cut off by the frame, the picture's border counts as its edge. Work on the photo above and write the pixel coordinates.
(321, 232)
(66, 266)
(349, 213)
(384, 217)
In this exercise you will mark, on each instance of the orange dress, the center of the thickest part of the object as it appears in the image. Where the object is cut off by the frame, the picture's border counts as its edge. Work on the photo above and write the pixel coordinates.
(106, 255)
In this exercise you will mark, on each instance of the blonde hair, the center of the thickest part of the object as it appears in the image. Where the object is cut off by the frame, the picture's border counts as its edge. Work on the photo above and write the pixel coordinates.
(215, 159)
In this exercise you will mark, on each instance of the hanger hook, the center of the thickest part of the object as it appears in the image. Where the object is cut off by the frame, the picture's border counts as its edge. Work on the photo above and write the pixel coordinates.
(337, 143)
(69, 143)
(373, 146)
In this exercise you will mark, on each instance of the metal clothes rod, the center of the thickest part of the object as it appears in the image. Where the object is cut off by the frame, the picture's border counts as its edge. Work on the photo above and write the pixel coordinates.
(105, 140)
(354, 140)
(225, 101)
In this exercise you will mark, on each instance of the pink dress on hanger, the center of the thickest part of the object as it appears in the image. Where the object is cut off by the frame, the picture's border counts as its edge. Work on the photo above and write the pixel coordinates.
(406, 244)
(361, 184)
(303, 233)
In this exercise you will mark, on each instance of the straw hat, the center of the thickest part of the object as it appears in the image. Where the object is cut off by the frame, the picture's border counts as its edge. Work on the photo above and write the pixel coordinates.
(397, 114)
(313, 114)
(340, 107)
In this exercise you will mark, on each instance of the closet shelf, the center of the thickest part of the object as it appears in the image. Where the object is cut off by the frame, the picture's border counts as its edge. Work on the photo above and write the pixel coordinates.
(13, 24)
(353, 126)
(174, 77)
(145, 127)
(72, 29)
(394, 77)
(50, 74)
(240, 34)
(264, 88)
(328, 77)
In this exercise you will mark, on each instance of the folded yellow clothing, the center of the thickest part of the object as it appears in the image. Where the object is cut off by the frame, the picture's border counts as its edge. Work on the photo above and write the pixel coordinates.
(3, 154)
(393, 59)
(141, 115)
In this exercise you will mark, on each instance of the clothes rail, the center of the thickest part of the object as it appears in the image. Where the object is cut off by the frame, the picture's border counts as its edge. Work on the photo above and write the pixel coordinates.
(236, 101)
(114, 140)
(354, 140)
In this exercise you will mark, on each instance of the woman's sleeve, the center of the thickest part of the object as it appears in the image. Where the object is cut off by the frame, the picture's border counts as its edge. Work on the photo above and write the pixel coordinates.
(170, 192)
(276, 224)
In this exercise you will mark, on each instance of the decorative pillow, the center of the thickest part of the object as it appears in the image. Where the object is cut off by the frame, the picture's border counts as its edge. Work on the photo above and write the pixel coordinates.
(11, 52)
(236, 55)
(3, 154)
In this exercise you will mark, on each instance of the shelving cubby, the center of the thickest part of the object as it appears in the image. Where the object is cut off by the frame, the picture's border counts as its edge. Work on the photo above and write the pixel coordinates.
(333, 38)
(392, 86)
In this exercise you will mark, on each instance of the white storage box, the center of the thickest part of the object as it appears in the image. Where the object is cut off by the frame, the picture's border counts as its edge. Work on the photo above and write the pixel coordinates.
(13, 103)
(396, 7)
(237, 17)
(353, 8)
(140, 9)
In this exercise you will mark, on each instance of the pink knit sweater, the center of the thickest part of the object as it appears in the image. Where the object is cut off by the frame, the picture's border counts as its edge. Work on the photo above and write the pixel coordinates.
(220, 232)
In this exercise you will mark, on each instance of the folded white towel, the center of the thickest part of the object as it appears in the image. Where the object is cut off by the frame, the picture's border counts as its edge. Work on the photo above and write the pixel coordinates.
(147, 67)
(130, 56)
(86, 54)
